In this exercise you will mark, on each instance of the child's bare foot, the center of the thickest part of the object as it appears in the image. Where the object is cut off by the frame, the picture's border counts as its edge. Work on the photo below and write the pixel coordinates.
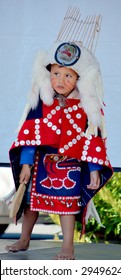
(65, 254)
(20, 245)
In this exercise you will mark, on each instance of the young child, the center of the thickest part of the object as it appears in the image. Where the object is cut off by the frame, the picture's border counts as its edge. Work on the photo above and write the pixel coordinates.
(60, 150)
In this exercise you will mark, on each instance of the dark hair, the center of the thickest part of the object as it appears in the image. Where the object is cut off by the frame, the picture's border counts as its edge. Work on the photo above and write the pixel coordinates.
(48, 67)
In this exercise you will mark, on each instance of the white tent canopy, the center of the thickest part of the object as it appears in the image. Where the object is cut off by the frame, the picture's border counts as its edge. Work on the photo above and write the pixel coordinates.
(28, 25)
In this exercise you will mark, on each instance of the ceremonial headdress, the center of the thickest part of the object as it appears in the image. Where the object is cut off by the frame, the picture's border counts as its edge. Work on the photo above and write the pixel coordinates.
(74, 48)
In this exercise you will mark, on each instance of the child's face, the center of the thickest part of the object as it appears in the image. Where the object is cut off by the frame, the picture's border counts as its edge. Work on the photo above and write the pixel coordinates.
(63, 79)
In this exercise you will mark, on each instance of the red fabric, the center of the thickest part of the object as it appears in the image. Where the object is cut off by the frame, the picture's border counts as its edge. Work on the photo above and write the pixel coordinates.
(64, 128)
(51, 204)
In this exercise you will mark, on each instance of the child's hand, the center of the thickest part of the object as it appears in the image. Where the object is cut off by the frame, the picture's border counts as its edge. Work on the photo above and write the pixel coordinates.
(25, 174)
(94, 180)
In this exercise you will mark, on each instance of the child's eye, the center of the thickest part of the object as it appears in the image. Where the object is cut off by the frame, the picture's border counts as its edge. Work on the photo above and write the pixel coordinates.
(56, 73)
(68, 76)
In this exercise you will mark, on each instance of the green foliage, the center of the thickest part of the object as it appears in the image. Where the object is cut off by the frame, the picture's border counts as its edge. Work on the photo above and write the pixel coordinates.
(108, 204)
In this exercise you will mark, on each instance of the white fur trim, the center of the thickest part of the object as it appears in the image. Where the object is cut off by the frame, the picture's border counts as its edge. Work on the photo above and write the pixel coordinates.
(89, 85)
(92, 212)
(41, 84)
(24, 115)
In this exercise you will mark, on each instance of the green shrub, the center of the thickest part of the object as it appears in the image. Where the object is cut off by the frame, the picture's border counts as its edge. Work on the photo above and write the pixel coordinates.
(108, 204)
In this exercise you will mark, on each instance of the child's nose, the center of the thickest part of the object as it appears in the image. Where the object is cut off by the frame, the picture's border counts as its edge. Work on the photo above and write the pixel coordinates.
(61, 78)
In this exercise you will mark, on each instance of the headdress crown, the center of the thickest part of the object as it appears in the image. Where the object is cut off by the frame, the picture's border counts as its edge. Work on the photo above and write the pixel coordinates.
(75, 29)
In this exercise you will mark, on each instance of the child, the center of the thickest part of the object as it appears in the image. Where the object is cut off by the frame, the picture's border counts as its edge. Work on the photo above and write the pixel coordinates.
(60, 150)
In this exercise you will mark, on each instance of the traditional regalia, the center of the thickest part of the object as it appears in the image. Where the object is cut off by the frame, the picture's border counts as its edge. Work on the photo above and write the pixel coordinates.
(68, 134)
